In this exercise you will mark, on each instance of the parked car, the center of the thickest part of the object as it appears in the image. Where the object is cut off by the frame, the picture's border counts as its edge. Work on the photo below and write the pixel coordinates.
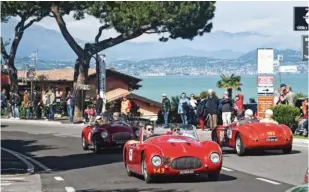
(111, 134)
(166, 154)
(265, 136)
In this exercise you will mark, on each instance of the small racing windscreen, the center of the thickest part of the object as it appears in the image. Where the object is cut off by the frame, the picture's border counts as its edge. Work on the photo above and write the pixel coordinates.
(186, 130)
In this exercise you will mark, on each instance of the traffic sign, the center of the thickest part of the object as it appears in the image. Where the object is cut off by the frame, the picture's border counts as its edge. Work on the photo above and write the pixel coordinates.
(264, 103)
(84, 87)
(266, 90)
(31, 74)
(265, 81)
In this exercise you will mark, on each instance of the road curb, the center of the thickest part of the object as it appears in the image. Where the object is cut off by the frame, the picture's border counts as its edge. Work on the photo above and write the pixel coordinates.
(30, 167)
(31, 121)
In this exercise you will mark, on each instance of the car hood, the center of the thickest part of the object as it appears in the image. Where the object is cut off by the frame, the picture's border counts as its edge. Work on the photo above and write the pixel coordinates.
(265, 130)
(175, 146)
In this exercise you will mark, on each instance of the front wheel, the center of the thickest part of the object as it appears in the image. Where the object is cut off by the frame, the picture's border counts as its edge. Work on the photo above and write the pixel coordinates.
(240, 149)
(147, 177)
(96, 147)
(214, 136)
(85, 146)
(213, 176)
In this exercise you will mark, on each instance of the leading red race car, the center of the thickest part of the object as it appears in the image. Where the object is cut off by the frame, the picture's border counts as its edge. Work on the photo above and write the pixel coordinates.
(112, 134)
(165, 153)
(266, 136)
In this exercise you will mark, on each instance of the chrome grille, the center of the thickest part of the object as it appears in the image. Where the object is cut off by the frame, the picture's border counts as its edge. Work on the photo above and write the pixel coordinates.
(183, 163)
(118, 137)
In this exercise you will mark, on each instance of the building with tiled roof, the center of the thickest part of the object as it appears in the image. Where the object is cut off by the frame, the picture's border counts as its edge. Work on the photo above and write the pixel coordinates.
(117, 85)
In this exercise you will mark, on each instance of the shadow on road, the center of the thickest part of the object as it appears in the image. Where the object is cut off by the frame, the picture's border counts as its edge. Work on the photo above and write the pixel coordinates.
(58, 159)
(27, 146)
(134, 190)
(188, 179)
(2, 126)
(262, 152)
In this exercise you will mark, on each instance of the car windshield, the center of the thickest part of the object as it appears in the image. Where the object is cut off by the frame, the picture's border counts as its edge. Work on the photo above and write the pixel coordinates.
(185, 130)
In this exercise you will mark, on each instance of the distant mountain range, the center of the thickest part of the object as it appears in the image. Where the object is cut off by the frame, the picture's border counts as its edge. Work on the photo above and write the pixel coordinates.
(216, 45)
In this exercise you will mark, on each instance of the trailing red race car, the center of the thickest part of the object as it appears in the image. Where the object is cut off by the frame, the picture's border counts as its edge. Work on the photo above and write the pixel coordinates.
(306, 177)
(96, 136)
(177, 152)
(266, 136)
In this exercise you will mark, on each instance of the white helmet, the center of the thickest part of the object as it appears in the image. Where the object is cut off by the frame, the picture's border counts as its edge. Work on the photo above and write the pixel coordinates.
(249, 113)
(269, 112)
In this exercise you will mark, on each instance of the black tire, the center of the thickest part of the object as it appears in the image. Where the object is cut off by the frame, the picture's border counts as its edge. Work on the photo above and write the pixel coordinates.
(213, 176)
(287, 150)
(129, 172)
(240, 150)
(214, 136)
(147, 178)
(96, 147)
(85, 146)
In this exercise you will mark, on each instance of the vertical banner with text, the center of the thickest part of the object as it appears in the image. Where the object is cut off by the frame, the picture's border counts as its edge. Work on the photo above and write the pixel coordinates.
(102, 77)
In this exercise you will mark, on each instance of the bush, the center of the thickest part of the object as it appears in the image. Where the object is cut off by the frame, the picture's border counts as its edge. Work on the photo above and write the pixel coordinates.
(285, 114)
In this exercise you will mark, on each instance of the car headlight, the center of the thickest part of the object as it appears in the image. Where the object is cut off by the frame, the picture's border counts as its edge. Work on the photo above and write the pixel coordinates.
(136, 133)
(229, 133)
(104, 134)
(214, 157)
(156, 161)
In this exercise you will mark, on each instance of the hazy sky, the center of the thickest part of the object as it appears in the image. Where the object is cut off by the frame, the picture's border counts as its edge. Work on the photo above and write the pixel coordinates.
(273, 18)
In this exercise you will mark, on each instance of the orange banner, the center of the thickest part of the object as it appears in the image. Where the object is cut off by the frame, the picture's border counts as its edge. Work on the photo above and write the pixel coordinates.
(264, 103)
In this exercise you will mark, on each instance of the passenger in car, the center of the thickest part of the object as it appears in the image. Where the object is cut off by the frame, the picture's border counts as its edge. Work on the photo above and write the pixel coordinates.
(147, 133)
(176, 130)
(248, 118)
(116, 118)
(268, 117)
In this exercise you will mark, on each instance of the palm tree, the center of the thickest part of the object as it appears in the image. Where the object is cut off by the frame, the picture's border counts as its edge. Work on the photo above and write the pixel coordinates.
(229, 83)
(299, 96)
(174, 103)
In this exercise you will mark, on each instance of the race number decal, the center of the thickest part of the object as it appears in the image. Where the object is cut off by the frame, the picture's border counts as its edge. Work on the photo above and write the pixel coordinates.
(158, 171)
(271, 133)
(130, 154)
(89, 136)
(229, 133)
(221, 136)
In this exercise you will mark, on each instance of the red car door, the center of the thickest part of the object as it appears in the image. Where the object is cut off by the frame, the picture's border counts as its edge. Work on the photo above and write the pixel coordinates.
(134, 157)
(87, 134)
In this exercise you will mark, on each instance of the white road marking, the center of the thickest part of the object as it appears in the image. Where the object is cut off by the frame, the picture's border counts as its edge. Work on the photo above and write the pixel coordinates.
(5, 184)
(30, 167)
(58, 178)
(11, 178)
(36, 162)
(268, 181)
(226, 169)
(69, 189)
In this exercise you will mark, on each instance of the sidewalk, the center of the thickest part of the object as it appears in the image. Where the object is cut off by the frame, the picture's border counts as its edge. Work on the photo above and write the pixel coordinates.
(39, 121)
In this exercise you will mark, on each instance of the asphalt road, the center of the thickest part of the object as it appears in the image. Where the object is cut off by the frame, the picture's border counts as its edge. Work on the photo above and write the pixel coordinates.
(58, 147)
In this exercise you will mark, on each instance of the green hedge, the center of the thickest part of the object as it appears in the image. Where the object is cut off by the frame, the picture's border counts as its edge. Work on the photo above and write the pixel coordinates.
(285, 114)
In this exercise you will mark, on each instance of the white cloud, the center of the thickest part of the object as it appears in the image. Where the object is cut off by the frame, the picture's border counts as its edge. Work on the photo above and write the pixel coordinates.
(273, 18)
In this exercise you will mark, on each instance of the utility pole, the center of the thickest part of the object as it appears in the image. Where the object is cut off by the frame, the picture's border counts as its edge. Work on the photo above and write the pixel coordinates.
(279, 58)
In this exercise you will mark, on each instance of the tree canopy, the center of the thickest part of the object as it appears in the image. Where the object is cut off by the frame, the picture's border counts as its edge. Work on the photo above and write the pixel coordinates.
(134, 18)
(230, 82)
(131, 19)
(28, 13)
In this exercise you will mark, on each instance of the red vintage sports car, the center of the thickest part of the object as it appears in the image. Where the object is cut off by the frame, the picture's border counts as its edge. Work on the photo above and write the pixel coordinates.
(265, 136)
(113, 134)
(167, 154)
